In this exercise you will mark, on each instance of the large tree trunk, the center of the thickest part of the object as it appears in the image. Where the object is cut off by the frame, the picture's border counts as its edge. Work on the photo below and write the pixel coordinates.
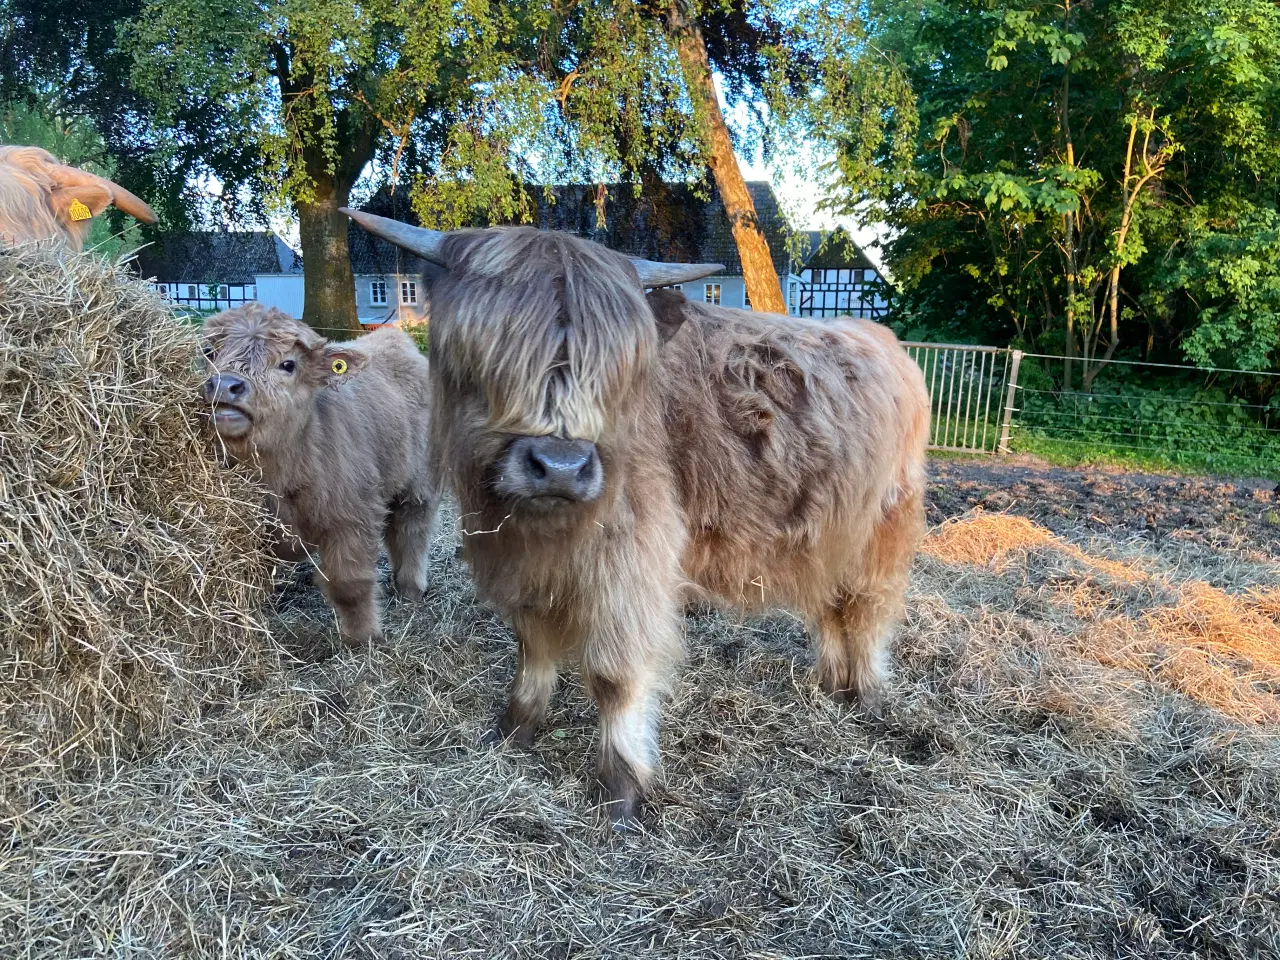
(753, 249)
(328, 284)
(329, 287)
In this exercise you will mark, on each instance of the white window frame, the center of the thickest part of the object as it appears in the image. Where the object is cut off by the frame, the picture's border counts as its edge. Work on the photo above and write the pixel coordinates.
(378, 293)
(408, 292)
(711, 293)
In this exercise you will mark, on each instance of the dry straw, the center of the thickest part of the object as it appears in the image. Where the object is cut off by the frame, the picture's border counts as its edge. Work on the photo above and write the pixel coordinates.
(1221, 648)
(131, 564)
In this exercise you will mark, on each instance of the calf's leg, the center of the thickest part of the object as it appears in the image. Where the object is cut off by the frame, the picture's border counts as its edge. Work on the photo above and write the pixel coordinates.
(348, 569)
(409, 543)
(625, 665)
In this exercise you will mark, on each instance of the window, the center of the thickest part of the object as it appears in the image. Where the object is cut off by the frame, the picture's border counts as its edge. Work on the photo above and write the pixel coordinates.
(378, 293)
(191, 292)
(408, 291)
(793, 295)
(224, 292)
(711, 293)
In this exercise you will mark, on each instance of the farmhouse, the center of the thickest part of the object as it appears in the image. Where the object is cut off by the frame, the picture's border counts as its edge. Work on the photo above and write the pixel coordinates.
(822, 275)
(211, 270)
(214, 270)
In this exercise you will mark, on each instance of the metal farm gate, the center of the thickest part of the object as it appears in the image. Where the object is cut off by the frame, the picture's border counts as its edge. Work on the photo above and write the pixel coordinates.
(971, 394)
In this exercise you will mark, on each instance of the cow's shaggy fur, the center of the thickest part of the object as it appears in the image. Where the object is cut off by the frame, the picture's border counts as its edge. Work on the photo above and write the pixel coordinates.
(345, 454)
(755, 459)
(37, 196)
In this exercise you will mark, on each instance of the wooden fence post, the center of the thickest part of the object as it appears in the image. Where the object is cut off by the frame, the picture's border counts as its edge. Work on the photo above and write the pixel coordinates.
(1007, 419)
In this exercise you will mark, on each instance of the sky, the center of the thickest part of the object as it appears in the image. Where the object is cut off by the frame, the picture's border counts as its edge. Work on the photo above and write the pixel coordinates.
(799, 198)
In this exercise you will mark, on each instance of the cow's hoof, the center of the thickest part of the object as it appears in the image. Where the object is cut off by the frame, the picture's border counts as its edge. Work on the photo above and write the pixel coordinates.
(624, 814)
(507, 729)
(410, 592)
(371, 641)
(869, 701)
(621, 793)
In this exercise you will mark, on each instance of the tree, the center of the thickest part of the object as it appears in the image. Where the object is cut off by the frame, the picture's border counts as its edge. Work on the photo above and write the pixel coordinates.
(753, 249)
(1042, 164)
(61, 60)
(317, 87)
(624, 91)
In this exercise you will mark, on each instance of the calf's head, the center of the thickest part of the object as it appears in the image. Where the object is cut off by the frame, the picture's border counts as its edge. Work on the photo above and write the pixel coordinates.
(42, 199)
(542, 345)
(265, 371)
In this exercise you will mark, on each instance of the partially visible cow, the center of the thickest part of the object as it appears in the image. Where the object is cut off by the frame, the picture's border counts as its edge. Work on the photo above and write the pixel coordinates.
(340, 433)
(610, 450)
(42, 199)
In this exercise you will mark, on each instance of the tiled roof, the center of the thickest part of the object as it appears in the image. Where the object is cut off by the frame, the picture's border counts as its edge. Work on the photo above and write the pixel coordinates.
(832, 249)
(679, 226)
(216, 256)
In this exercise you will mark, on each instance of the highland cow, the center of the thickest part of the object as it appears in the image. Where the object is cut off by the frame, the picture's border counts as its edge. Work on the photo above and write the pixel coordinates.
(611, 450)
(340, 433)
(42, 199)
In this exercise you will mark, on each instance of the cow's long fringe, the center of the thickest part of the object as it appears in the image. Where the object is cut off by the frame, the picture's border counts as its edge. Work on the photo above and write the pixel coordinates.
(549, 325)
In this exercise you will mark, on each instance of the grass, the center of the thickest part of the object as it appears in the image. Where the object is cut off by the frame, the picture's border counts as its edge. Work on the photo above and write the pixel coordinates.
(1073, 453)
(1035, 790)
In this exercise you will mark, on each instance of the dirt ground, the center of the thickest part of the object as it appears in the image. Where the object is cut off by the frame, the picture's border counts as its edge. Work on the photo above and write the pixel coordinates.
(1235, 514)
(1078, 760)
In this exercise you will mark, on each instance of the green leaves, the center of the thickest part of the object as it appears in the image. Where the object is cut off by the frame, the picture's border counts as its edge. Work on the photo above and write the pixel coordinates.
(1016, 189)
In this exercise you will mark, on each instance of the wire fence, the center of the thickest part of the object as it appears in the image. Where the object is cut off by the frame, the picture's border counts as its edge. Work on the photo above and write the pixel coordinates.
(998, 400)
(1207, 418)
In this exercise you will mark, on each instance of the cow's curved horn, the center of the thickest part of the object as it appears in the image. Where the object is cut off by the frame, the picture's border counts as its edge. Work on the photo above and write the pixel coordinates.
(425, 242)
(654, 274)
(133, 205)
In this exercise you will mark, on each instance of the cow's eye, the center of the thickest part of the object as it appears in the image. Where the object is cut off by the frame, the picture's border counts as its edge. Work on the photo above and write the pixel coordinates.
(287, 366)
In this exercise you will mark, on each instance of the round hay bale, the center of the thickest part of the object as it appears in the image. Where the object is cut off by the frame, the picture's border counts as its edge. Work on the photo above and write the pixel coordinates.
(132, 565)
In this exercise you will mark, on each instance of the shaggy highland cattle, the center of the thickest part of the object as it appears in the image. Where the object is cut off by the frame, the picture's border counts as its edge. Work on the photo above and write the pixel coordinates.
(340, 433)
(616, 453)
(42, 199)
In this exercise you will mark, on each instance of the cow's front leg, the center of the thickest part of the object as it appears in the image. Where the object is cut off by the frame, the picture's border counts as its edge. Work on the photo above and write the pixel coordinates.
(541, 644)
(627, 673)
(348, 573)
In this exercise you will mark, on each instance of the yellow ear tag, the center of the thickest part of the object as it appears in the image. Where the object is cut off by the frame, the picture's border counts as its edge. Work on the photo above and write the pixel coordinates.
(339, 366)
(78, 211)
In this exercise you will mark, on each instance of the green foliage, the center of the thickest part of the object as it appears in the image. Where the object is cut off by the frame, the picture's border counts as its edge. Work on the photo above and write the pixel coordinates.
(1164, 420)
(991, 141)
(1232, 274)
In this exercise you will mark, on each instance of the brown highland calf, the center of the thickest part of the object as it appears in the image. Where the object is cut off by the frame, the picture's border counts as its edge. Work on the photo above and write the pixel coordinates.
(611, 450)
(42, 199)
(340, 433)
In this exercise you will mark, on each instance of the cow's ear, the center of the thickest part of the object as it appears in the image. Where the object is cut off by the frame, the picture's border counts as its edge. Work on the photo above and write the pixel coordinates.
(669, 312)
(75, 203)
(335, 363)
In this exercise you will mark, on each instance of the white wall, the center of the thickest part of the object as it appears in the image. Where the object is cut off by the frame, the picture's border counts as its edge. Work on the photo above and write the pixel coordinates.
(282, 291)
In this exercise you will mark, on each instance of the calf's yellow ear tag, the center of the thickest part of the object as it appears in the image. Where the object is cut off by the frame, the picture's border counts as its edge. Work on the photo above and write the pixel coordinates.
(78, 211)
(339, 366)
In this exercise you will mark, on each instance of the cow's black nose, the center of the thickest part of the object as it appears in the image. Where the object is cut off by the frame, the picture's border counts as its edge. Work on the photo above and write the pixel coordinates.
(556, 467)
(227, 388)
